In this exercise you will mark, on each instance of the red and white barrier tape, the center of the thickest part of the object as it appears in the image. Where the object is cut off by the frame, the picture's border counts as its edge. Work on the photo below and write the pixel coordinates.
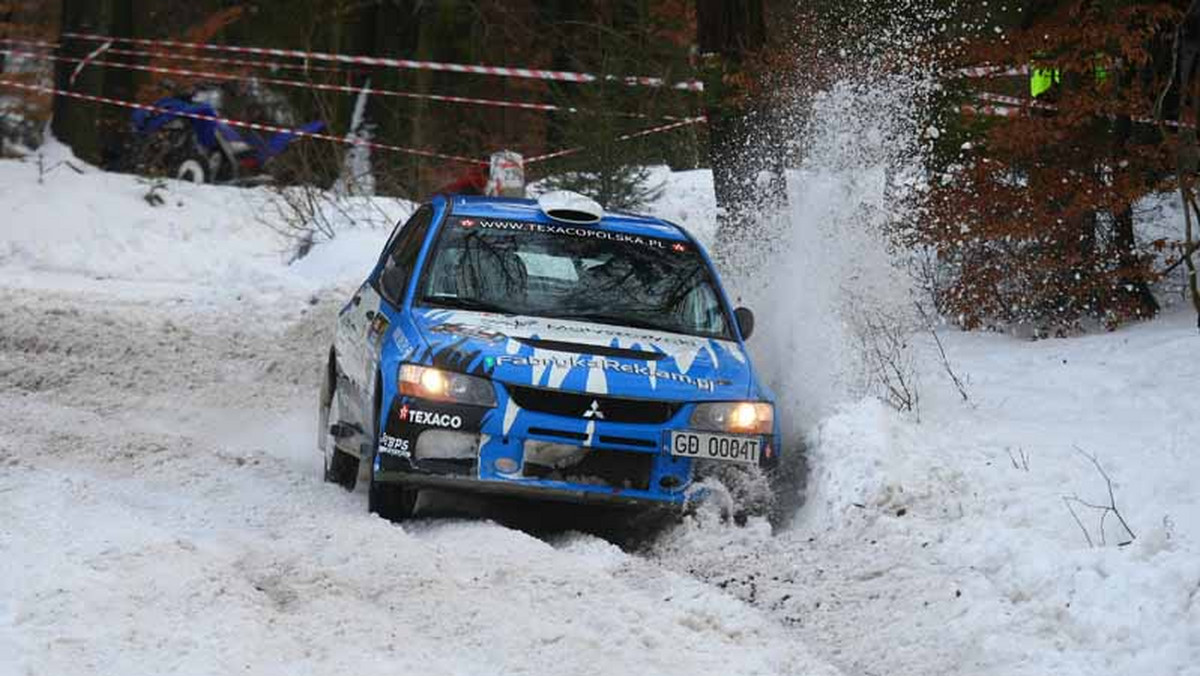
(84, 61)
(989, 111)
(410, 64)
(150, 54)
(1013, 101)
(31, 43)
(245, 125)
(185, 72)
(992, 71)
(999, 105)
(971, 71)
(624, 137)
(247, 63)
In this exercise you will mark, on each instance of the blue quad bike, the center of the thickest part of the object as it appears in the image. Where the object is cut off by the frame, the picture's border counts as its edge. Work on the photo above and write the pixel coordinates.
(202, 150)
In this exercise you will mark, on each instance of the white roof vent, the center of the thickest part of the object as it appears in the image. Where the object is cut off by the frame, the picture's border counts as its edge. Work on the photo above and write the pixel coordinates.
(570, 207)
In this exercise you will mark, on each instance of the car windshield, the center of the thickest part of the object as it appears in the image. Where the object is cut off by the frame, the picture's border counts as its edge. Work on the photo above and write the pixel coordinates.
(574, 272)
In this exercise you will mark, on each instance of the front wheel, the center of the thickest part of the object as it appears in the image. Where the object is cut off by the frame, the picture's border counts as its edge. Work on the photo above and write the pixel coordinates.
(192, 169)
(394, 502)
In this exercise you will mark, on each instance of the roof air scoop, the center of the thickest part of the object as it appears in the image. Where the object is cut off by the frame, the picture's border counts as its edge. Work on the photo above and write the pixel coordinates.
(570, 207)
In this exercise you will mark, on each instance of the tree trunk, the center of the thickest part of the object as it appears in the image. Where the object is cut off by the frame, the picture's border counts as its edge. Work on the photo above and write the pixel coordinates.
(395, 31)
(113, 122)
(94, 131)
(741, 145)
(1132, 280)
(6, 20)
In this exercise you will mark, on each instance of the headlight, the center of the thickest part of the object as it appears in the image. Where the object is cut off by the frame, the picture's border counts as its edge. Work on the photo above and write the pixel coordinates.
(739, 417)
(439, 385)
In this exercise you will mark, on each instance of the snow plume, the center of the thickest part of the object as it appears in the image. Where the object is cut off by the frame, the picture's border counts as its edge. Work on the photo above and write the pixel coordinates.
(855, 131)
(819, 268)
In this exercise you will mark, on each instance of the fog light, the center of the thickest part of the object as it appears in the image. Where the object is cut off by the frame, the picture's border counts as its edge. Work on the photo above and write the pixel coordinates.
(507, 466)
(447, 445)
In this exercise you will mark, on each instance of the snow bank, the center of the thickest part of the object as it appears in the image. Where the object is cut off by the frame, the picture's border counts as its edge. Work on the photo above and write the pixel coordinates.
(945, 546)
(69, 225)
(985, 484)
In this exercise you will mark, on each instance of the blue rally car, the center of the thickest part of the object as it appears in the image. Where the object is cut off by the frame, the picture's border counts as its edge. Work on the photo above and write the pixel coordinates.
(543, 349)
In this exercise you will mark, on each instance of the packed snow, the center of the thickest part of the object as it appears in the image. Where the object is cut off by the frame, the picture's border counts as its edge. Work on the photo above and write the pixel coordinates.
(161, 509)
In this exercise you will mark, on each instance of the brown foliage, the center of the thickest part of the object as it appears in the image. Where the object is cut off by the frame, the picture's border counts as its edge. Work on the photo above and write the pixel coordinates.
(1035, 220)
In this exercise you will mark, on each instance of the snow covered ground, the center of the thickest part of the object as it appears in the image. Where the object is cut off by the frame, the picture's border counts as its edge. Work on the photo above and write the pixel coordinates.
(161, 509)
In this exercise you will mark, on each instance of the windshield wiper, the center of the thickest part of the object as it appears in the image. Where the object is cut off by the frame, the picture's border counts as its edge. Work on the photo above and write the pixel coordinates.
(459, 303)
(618, 320)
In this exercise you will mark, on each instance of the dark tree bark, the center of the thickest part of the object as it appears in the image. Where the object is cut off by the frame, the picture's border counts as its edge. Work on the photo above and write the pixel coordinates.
(1134, 285)
(6, 20)
(394, 30)
(741, 142)
(94, 131)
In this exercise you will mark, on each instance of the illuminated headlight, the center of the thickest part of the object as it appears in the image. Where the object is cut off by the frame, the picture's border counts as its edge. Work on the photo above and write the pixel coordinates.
(739, 417)
(439, 385)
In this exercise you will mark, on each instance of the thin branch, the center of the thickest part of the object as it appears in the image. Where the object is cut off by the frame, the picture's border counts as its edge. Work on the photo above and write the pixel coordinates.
(1104, 510)
(958, 384)
(1086, 536)
(1187, 251)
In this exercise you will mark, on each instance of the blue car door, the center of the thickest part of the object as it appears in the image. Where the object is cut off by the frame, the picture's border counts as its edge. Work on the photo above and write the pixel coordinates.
(364, 324)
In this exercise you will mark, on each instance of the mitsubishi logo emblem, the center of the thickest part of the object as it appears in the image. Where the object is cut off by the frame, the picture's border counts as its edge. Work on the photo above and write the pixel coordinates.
(594, 411)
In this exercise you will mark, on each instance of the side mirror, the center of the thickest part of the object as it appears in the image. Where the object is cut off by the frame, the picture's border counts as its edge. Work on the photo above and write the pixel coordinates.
(745, 321)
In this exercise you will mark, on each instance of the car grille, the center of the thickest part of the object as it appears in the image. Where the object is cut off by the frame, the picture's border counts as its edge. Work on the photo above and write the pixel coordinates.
(616, 469)
(612, 409)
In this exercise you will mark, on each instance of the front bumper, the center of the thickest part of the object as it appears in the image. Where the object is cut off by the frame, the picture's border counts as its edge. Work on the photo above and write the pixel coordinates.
(502, 451)
(540, 490)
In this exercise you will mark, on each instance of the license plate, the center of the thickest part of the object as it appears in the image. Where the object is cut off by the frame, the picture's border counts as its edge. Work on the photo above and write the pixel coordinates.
(715, 446)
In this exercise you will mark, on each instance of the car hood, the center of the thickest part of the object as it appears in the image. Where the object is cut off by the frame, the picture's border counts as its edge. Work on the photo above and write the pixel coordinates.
(583, 356)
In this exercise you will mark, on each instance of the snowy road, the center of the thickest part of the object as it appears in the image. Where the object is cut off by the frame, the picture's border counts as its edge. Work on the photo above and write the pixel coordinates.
(160, 512)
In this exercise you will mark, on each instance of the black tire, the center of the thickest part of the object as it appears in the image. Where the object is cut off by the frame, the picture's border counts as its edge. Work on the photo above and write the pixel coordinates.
(340, 468)
(192, 168)
(394, 502)
(789, 485)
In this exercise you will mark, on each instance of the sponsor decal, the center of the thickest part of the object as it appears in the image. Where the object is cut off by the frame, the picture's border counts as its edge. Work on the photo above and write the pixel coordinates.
(567, 230)
(609, 331)
(403, 347)
(470, 331)
(704, 384)
(678, 247)
(379, 324)
(430, 418)
(389, 445)
(489, 326)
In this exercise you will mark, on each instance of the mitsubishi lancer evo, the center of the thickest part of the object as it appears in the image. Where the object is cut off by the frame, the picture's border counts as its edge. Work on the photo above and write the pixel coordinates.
(543, 349)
